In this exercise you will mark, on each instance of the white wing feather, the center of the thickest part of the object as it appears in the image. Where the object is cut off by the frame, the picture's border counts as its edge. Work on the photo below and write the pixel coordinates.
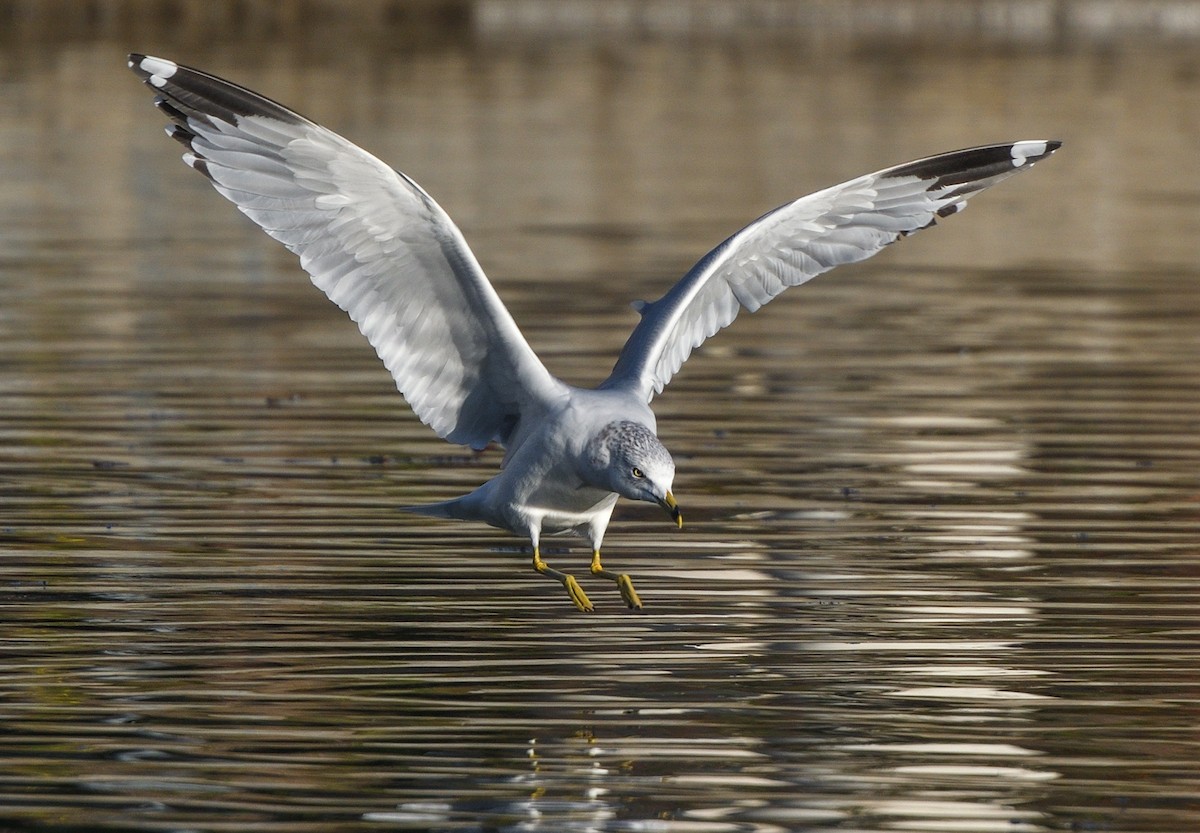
(800, 240)
(375, 242)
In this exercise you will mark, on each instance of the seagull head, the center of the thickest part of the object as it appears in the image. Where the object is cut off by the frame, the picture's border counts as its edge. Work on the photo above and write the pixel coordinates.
(627, 458)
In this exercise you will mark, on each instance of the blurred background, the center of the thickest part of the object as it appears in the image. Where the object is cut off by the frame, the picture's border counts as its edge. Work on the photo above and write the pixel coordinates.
(588, 107)
(939, 567)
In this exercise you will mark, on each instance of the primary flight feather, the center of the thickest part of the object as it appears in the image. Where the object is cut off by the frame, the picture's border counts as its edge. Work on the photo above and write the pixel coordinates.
(380, 247)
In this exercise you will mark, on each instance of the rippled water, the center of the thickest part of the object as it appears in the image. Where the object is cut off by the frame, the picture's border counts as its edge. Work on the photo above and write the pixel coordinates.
(939, 571)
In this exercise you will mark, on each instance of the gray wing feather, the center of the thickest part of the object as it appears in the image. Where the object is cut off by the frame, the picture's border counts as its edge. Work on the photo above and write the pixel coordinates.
(800, 240)
(374, 241)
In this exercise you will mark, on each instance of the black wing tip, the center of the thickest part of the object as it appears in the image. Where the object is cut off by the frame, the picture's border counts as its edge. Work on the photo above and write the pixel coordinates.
(1032, 150)
(154, 71)
(962, 167)
(182, 135)
(197, 93)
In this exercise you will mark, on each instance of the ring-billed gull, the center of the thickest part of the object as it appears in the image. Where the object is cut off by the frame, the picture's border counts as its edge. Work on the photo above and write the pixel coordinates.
(387, 254)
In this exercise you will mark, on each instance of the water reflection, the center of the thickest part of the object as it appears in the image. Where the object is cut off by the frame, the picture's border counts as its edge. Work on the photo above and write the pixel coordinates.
(939, 568)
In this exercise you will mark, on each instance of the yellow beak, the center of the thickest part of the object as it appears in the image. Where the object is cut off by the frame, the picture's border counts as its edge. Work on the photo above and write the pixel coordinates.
(672, 508)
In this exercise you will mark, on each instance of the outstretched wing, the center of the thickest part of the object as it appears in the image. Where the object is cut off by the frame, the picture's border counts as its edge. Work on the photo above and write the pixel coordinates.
(800, 240)
(373, 241)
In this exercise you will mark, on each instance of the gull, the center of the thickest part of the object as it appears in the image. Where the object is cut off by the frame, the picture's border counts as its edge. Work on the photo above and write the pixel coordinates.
(380, 248)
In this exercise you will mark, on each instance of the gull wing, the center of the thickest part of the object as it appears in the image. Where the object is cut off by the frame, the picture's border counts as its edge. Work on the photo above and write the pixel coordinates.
(800, 240)
(374, 242)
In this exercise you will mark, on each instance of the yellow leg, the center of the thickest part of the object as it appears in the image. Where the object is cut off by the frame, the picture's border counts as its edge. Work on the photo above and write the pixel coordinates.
(568, 581)
(624, 583)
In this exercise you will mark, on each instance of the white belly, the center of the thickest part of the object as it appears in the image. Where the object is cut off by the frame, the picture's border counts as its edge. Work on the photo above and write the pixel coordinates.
(557, 518)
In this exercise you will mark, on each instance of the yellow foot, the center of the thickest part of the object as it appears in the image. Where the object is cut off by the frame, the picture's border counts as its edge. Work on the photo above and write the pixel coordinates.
(568, 581)
(576, 593)
(624, 582)
(625, 585)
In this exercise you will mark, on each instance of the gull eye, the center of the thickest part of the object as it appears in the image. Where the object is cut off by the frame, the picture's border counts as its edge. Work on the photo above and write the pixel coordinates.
(638, 473)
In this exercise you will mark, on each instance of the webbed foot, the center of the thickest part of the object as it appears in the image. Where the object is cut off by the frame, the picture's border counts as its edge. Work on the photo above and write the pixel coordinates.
(568, 581)
(624, 582)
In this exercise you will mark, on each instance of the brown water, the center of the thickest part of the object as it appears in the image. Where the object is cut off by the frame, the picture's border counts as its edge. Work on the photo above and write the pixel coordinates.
(940, 570)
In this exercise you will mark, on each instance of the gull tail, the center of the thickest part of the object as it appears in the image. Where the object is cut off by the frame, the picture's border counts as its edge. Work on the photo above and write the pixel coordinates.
(445, 509)
(460, 509)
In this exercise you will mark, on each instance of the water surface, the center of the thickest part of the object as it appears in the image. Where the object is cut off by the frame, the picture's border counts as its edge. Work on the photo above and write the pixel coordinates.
(939, 566)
